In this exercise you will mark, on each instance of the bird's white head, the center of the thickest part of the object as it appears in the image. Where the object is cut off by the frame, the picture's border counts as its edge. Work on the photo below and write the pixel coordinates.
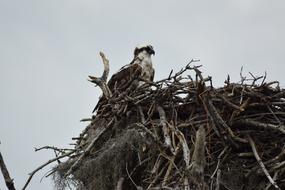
(144, 47)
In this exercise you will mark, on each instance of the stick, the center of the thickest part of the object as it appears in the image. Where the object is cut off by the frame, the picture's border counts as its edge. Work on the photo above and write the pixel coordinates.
(198, 158)
(253, 147)
(274, 177)
(88, 149)
(9, 182)
(141, 114)
(229, 103)
(61, 150)
(218, 180)
(185, 148)
(155, 138)
(165, 128)
(130, 176)
(43, 165)
(101, 82)
(170, 166)
(106, 67)
(250, 122)
(219, 160)
(219, 122)
(120, 184)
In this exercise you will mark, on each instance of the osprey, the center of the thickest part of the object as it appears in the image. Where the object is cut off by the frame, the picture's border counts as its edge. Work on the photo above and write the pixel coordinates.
(136, 73)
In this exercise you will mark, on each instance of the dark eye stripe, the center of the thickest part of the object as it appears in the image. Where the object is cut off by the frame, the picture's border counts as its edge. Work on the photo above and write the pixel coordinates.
(149, 49)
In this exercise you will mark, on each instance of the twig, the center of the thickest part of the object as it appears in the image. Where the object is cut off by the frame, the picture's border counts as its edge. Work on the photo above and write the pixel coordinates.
(87, 150)
(9, 182)
(86, 119)
(271, 111)
(155, 138)
(170, 166)
(231, 104)
(219, 160)
(279, 165)
(218, 180)
(130, 176)
(43, 165)
(274, 178)
(219, 122)
(252, 144)
(61, 150)
(250, 122)
(181, 71)
(156, 177)
(241, 95)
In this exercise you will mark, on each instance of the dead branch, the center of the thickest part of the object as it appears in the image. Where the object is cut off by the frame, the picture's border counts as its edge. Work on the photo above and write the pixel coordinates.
(61, 150)
(44, 165)
(87, 150)
(9, 182)
(165, 128)
(120, 184)
(219, 122)
(170, 166)
(218, 180)
(185, 148)
(252, 144)
(198, 160)
(102, 81)
(219, 161)
(250, 122)
(155, 138)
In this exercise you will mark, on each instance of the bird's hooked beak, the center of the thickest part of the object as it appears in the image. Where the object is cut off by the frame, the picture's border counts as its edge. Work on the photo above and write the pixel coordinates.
(150, 50)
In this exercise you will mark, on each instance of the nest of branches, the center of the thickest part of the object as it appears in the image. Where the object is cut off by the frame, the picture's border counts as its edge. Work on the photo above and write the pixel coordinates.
(182, 133)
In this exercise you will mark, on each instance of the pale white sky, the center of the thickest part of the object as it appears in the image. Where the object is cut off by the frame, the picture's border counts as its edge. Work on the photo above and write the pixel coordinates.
(48, 48)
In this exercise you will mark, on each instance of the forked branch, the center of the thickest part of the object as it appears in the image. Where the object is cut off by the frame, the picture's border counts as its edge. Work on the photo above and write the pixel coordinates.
(102, 81)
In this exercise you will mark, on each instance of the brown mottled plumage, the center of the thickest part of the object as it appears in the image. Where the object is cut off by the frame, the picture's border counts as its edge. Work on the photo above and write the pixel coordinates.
(140, 67)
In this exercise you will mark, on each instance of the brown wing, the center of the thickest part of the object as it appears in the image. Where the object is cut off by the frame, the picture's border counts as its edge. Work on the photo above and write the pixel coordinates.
(121, 81)
(152, 75)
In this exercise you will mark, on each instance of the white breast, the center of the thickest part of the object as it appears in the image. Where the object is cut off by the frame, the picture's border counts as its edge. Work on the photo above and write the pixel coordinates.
(146, 63)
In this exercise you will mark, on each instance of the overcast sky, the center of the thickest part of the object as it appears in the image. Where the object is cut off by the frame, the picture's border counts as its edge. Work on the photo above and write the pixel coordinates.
(48, 48)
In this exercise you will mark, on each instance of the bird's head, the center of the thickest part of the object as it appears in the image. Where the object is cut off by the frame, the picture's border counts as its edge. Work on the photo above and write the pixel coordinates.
(144, 47)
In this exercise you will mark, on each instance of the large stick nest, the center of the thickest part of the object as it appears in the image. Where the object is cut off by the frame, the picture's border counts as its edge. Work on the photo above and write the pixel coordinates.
(182, 133)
